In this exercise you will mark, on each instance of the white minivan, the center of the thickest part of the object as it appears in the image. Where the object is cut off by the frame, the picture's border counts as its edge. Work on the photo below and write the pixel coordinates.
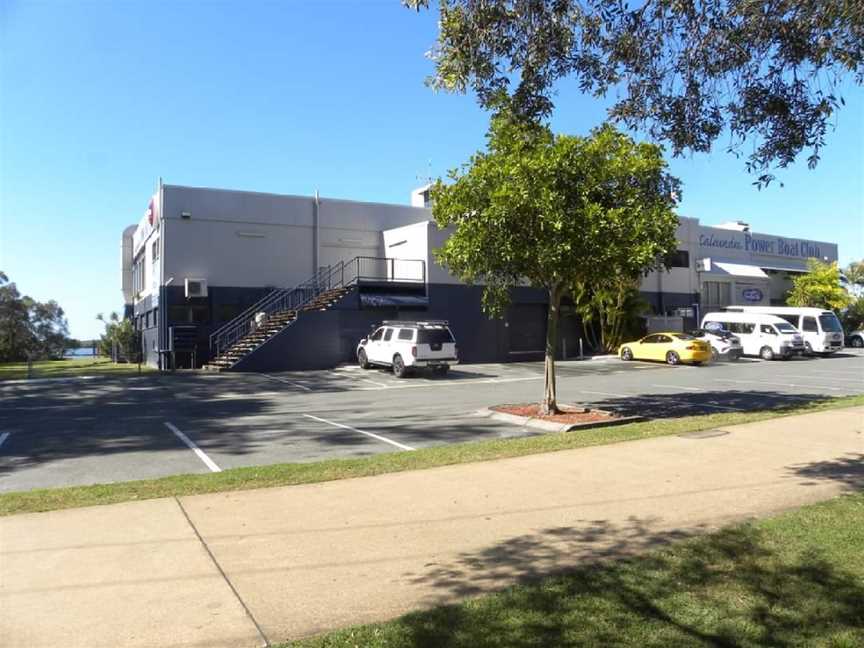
(821, 330)
(766, 336)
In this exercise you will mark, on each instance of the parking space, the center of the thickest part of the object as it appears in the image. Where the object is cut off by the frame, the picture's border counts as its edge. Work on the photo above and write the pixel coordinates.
(76, 432)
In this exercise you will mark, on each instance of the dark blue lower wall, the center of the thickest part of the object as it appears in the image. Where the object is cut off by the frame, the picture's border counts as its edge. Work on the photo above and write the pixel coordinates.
(319, 340)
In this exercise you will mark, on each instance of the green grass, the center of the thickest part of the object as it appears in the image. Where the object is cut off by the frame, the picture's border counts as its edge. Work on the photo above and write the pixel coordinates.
(305, 473)
(69, 367)
(794, 580)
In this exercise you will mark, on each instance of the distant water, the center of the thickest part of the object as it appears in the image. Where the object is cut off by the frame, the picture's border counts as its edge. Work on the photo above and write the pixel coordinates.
(80, 352)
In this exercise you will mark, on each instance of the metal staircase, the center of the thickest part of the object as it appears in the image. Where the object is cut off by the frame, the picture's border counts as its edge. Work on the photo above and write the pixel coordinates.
(240, 337)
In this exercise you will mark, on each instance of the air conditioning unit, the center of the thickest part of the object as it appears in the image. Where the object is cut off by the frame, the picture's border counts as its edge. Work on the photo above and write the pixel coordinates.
(703, 265)
(196, 287)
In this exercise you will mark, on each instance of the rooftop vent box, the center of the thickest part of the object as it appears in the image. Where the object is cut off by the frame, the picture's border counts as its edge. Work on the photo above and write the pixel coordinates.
(196, 287)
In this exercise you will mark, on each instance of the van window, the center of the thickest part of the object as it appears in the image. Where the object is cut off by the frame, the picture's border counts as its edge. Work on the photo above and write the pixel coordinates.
(830, 323)
(377, 334)
(808, 325)
(767, 329)
(388, 334)
(406, 334)
(792, 319)
(715, 326)
(783, 327)
(741, 328)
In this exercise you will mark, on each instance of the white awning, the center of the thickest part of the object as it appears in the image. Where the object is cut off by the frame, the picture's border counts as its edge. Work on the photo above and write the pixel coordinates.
(737, 270)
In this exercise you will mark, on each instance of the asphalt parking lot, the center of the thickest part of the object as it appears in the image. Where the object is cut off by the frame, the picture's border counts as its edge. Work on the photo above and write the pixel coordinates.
(73, 432)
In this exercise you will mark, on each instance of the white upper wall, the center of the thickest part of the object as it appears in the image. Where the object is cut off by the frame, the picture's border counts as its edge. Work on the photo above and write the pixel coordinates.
(725, 244)
(244, 239)
(419, 241)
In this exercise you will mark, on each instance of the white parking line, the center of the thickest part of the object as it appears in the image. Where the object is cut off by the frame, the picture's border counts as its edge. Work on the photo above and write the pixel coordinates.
(782, 384)
(353, 429)
(695, 389)
(287, 382)
(859, 382)
(198, 451)
(3, 437)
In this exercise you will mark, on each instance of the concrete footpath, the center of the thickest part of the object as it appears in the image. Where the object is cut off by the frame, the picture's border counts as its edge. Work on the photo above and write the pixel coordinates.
(257, 567)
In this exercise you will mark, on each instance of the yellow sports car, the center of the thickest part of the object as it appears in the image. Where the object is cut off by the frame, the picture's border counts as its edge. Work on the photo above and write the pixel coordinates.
(671, 348)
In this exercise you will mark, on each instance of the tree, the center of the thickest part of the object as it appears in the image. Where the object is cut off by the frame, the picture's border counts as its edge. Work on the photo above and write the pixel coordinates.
(611, 311)
(819, 288)
(28, 328)
(855, 273)
(120, 341)
(766, 71)
(559, 213)
(853, 316)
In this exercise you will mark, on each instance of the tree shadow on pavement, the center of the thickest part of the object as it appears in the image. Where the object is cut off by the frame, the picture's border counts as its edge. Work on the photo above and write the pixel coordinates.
(732, 588)
(848, 469)
(674, 405)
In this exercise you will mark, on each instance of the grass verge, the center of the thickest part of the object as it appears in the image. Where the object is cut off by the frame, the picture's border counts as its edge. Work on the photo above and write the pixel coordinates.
(793, 580)
(288, 474)
(70, 367)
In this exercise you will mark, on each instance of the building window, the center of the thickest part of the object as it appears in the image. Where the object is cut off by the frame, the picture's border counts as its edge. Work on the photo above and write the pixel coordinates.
(717, 293)
(678, 259)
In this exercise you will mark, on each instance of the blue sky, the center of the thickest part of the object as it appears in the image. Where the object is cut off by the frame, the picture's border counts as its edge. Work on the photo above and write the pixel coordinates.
(100, 99)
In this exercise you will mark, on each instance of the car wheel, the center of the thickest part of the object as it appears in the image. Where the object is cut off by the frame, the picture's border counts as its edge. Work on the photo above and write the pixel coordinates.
(362, 360)
(857, 342)
(766, 353)
(399, 369)
(697, 363)
(626, 354)
(672, 358)
(808, 350)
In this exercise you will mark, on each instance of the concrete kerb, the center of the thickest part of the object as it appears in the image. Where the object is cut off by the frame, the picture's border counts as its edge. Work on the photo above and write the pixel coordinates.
(548, 426)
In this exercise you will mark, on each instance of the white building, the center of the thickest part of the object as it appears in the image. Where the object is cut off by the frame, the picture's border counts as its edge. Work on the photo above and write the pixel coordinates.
(202, 263)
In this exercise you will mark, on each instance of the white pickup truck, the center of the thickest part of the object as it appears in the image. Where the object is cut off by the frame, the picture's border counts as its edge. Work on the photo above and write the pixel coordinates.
(408, 345)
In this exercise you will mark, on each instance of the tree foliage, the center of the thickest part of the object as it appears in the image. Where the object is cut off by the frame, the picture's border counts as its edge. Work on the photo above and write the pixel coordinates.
(28, 328)
(561, 213)
(120, 340)
(819, 287)
(855, 273)
(611, 312)
(767, 71)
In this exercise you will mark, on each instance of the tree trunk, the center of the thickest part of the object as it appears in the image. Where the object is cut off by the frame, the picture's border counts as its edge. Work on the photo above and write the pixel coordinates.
(550, 398)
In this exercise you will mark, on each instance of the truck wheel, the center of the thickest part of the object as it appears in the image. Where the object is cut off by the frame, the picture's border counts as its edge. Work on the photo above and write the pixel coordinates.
(808, 350)
(442, 370)
(672, 358)
(362, 360)
(399, 369)
(766, 353)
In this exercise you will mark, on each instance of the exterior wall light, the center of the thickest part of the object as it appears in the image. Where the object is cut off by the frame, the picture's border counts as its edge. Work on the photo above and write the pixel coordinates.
(185, 215)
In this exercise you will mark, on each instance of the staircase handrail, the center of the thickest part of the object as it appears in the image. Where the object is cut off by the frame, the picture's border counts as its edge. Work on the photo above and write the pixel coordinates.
(340, 275)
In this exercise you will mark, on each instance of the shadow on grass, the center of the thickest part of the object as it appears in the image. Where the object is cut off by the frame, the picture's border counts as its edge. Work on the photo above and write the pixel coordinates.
(732, 588)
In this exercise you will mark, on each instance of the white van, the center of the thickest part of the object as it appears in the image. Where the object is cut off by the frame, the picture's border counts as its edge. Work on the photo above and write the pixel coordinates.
(821, 330)
(766, 336)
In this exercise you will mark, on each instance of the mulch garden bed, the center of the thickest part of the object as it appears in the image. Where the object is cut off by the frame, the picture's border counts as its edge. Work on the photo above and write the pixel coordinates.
(569, 414)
